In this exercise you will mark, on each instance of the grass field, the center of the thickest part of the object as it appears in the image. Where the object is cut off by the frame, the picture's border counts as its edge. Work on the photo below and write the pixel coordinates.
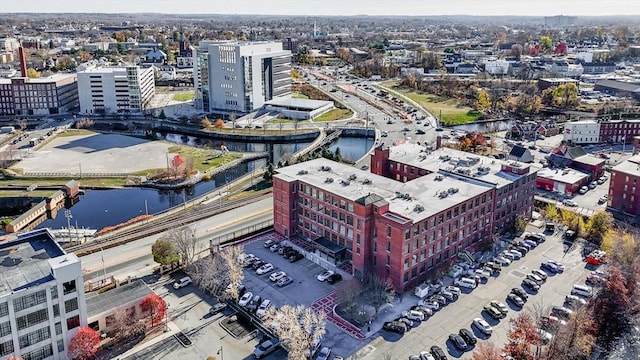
(297, 95)
(333, 115)
(203, 159)
(183, 96)
(97, 182)
(450, 111)
(76, 132)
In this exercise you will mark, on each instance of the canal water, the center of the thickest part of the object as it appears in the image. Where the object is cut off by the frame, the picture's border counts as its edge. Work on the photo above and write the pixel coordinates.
(99, 208)
(486, 127)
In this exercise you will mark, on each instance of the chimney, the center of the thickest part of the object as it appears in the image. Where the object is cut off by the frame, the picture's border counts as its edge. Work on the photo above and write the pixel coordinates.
(23, 61)
(438, 142)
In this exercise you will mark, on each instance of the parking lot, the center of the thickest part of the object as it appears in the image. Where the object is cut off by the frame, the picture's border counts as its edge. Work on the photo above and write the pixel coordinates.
(459, 314)
(304, 290)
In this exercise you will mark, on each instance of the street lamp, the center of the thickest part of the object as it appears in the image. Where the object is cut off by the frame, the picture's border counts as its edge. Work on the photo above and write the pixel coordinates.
(221, 353)
(166, 318)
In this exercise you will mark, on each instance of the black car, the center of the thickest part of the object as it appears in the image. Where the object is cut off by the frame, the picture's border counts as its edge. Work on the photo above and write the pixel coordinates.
(394, 326)
(458, 341)
(420, 132)
(493, 312)
(257, 264)
(521, 293)
(530, 284)
(217, 307)
(438, 353)
(439, 299)
(285, 250)
(535, 237)
(296, 257)
(334, 278)
(468, 336)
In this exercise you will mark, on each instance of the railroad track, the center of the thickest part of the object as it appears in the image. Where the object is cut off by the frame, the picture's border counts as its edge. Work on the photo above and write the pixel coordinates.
(155, 226)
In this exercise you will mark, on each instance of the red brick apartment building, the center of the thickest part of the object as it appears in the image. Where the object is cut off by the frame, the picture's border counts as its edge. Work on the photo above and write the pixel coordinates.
(619, 131)
(416, 211)
(624, 187)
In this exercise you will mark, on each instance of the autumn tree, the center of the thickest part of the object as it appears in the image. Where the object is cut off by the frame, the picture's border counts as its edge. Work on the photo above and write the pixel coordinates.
(483, 100)
(486, 351)
(65, 63)
(219, 124)
(545, 43)
(521, 223)
(521, 336)
(176, 164)
(621, 247)
(33, 73)
(298, 327)
(164, 252)
(574, 340)
(153, 307)
(551, 212)
(84, 344)
(597, 225)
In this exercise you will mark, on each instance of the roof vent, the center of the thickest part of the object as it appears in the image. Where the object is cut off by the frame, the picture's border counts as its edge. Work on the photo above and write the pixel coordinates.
(303, 172)
(366, 181)
(443, 195)
(352, 177)
(328, 180)
(345, 182)
(439, 178)
(418, 208)
(325, 168)
(406, 196)
(452, 190)
(445, 157)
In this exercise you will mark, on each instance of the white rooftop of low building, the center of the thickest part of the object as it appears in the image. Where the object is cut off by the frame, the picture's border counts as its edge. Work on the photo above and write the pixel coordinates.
(416, 199)
(461, 163)
(42, 80)
(589, 159)
(582, 122)
(631, 166)
(296, 103)
(567, 176)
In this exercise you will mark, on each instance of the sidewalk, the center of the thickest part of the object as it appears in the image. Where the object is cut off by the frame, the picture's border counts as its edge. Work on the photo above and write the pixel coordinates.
(173, 329)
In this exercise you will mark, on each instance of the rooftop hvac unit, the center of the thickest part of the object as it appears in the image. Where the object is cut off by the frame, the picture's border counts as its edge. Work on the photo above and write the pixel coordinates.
(418, 208)
(345, 182)
(439, 178)
(366, 181)
(328, 180)
(325, 168)
(445, 157)
(443, 195)
(352, 177)
(303, 172)
(452, 190)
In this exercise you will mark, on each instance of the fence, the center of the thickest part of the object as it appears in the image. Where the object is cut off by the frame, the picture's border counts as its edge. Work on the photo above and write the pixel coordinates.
(240, 234)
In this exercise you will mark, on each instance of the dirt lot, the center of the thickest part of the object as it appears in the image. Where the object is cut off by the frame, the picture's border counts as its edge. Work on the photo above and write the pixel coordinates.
(97, 153)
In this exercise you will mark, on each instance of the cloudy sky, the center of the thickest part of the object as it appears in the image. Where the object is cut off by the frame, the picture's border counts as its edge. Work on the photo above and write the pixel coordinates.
(332, 7)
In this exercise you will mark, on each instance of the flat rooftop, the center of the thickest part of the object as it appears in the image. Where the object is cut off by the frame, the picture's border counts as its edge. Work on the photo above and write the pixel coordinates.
(631, 166)
(567, 176)
(414, 200)
(43, 80)
(589, 160)
(27, 261)
(295, 103)
(462, 163)
(98, 303)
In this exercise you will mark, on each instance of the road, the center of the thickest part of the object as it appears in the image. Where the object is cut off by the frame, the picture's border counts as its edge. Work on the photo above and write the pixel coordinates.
(134, 258)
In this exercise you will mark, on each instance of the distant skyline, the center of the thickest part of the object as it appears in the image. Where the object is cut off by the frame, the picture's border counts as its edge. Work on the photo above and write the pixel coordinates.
(332, 7)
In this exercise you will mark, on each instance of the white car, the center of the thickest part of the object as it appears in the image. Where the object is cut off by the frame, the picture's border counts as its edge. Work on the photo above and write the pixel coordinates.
(264, 269)
(539, 273)
(429, 304)
(277, 276)
(244, 300)
(483, 326)
(264, 306)
(558, 265)
(502, 260)
(182, 282)
(325, 275)
(413, 315)
(324, 353)
(453, 289)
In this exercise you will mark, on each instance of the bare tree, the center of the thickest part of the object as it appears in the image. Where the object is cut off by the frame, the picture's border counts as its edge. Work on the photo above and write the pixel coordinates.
(348, 292)
(185, 241)
(22, 124)
(378, 291)
(220, 272)
(299, 329)
(486, 351)
(232, 118)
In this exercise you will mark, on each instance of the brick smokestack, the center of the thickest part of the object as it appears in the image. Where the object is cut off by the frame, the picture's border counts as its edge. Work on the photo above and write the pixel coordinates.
(438, 142)
(23, 62)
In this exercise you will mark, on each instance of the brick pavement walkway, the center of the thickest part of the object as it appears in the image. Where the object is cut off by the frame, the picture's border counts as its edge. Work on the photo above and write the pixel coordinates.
(326, 304)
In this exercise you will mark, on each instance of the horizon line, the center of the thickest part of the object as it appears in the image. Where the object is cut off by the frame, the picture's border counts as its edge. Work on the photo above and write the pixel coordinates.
(322, 15)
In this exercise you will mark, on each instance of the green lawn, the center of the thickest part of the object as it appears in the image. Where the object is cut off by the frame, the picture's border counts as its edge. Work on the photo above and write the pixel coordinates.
(184, 96)
(76, 132)
(297, 95)
(450, 111)
(203, 159)
(98, 182)
(333, 115)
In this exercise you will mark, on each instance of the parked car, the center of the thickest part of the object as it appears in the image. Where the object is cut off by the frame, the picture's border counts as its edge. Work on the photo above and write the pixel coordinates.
(409, 323)
(284, 281)
(295, 257)
(325, 275)
(539, 273)
(453, 289)
(439, 299)
(275, 247)
(468, 336)
(558, 265)
(500, 306)
(521, 293)
(244, 300)
(603, 199)
(335, 278)
(425, 355)
(548, 266)
(458, 342)
(324, 353)
(569, 203)
(583, 190)
(447, 295)
(561, 311)
(438, 353)
(532, 285)
(264, 306)
(515, 299)
(265, 348)
(413, 315)
(535, 278)
(254, 303)
(503, 261)
(182, 282)
(426, 311)
(593, 185)
(217, 307)
(277, 276)
(574, 301)
(429, 304)
(266, 268)
(483, 326)
(257, 264)
(493, 312)
(394, 326)
(268, 243)
(593, 279)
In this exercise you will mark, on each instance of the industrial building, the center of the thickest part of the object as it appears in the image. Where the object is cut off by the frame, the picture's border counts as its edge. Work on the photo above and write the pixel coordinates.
(418, 210)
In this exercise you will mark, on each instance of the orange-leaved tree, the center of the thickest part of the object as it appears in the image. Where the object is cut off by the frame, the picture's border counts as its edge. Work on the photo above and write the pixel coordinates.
(154, 307)
(83, 344)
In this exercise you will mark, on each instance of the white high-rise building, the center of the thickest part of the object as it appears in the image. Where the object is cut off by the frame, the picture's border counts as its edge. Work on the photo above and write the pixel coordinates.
(115, 89)
(238, 77)
(42, 302)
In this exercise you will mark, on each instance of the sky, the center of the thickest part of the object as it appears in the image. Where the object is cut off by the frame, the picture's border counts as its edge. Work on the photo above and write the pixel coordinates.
(332, 7)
